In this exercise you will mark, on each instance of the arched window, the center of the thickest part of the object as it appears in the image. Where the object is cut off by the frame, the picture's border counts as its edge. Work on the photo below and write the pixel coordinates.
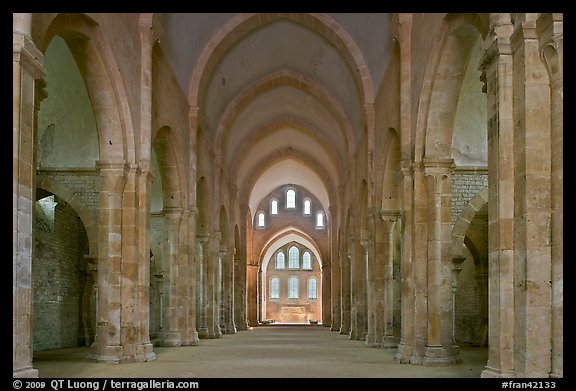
(291, 198)
(280, 261)
(293, 287)
(307, 206)
(274, 288)
(312, 288)
(319, 220)
(274, 207)
(293, 258)
(306, 261)
(261, 219)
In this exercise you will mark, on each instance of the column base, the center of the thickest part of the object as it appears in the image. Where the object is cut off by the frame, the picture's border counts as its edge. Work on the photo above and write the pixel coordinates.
(345, 331)
(203, 333)
(389, 342)
(28, 372)
(439, 356)
(231, 328)
(370, 341)
(496, 373)
(402, 356)
(241, 327)
(107, 353)
(171, 339)
(145, 352)
(194, 340)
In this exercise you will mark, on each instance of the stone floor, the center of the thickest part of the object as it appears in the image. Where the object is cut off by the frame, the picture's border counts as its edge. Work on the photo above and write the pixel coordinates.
(276, 351)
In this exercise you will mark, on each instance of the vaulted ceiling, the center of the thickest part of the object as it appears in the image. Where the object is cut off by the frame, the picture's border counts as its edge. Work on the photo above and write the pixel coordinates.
(281, 96)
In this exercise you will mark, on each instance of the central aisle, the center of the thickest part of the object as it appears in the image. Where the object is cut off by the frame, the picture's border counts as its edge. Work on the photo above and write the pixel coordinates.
(284, 351)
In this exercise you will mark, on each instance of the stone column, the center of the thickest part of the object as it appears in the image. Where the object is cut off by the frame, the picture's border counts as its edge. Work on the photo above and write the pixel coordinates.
(551, 45)
(405, 346)
(420, 227)
(214, 287)
(144, 349)
(229, 291)
(170, 294)
(325, 286)
(439, 349)
(532, 203)
(496, 64)
(187, 280)
(386, 300)
(27, 65)
(346, 299)
(107, 344)
(134, 266)
(357, 290)
(374, 291)
(221, 290)
(334, 273)
(252, 293)
(240, 318)
(87, 300)
(201, 291)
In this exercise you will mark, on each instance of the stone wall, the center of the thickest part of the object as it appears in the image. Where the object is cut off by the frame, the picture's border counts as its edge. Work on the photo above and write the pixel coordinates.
(59, 276)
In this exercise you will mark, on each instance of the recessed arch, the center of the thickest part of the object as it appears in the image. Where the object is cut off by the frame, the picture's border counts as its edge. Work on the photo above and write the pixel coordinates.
(441, 88)
(463, 222)
(85, 212)
(170, 166)
(104, 83)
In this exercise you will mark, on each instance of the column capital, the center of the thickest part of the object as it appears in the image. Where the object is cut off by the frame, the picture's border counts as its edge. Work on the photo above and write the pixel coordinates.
(389, 215)
(550, 31)
(25, 52)
(497, 41)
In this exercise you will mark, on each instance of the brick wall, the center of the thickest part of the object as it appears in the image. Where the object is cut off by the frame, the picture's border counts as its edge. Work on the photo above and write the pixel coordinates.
(468, 317)
(84, 183)
(465, 185)
(58, 271)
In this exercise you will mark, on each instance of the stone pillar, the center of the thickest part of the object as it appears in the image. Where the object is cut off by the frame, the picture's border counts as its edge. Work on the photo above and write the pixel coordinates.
(193, 248)
(420, 264)
(405, 346)
(532, 203)
(550, 31)
(221, 290)
(187, 280)
(240, 319)
(228, 287)
(496, 64)
(170, 294)
(214, 274)
(335, 293)
(345, 295)
(386, 300)
(107, 344)
(27, 65)
(357, 290)
(201, 291)
(144, 350)
(374, 291)
(325, 285)
(252, 292)
(134, 265)
(439, 349)
(88, 300)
